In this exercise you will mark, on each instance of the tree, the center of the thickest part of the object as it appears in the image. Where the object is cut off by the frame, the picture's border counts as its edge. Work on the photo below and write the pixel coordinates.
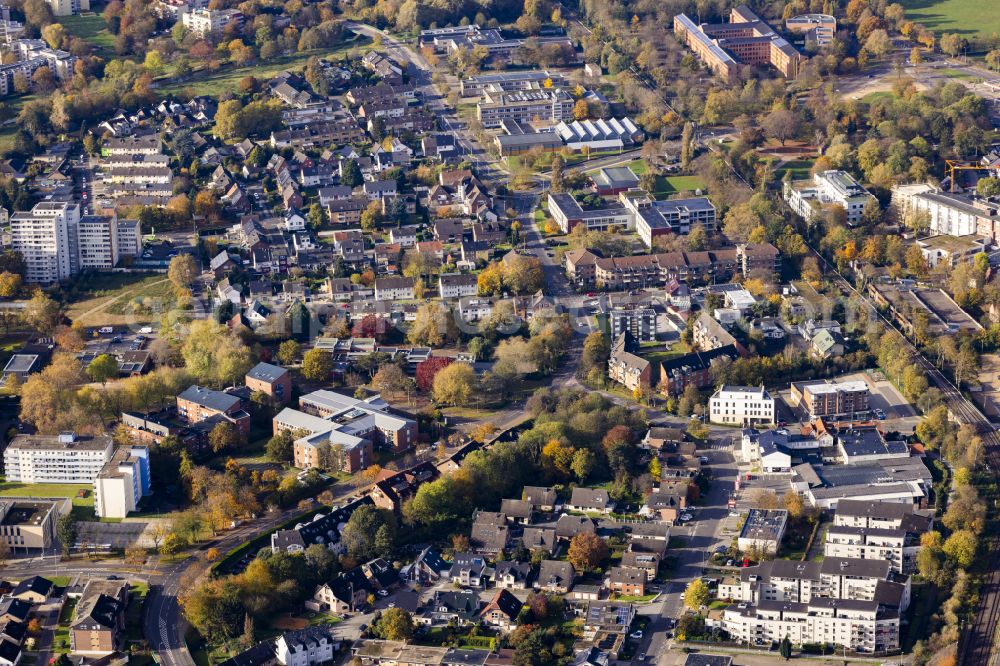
(785, 648)
(427, 370)
(395, 625)
(289, 352)
(433, 325)
(103, 368)
(135, 555)
(182, 272)
(214, 354)
(697, 594)
(42, 313)
(391, 379)
(961, 548)
(587, 551)
(223, 437)
(986, 187)
(583, 464)
(317, 364)
(361, 534)
(172, 544)
(953, 44)
(781, 124)
(10, 283)
(454, 384)
(581, 110)
(280, 447)
(67, 531)
(350, 174)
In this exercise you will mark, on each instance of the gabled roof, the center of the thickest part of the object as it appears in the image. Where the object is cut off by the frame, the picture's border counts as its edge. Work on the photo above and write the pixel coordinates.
(36, 584)
(506, 603)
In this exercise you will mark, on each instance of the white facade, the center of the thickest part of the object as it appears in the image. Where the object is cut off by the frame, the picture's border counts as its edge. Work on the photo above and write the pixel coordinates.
(62, 459)
(741, 405)
(46, 236)
(456, 285)
(208, 21)
(98, 242)
(129, 234)
(122, 482)
(305, 648)
(68, 7)
(828, 188)
(897, 547)
(859, 626)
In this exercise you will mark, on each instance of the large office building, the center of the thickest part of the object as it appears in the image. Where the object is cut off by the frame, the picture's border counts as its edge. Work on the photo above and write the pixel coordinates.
(57, 243)
(828, 188)
(672, 216)
(567, 213)
(744, 40)
(548, 104)
(510, 81)
(741, 405)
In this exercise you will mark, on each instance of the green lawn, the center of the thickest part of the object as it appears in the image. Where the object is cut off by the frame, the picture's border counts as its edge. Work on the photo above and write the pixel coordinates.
(799, 168)
(957, 74)
(92, 28)
(674, 184)
(970, 18)
(873, 97)
(83, 507)
(227, 78)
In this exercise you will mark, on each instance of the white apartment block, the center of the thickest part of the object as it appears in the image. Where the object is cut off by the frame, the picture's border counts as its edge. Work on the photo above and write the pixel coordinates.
(845, 578)
(393, 289)
(897, 547)
(741, 405)
(305, 647)
(46, 236)
(69, 7)
(209, 21)
(523, 106)
(828, 188)
(65, 458)
(56, 242)
(122, 482)
(948, 214)
(861, 626)
(98, 242)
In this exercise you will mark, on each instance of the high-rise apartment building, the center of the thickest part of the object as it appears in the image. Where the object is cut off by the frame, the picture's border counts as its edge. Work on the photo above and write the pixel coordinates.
(56, 242)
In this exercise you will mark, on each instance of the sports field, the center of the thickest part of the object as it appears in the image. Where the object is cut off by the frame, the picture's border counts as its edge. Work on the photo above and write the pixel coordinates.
(970, 18)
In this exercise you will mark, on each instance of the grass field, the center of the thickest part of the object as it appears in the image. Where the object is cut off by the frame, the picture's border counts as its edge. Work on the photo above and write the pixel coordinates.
(137, 299)
(799, 168)
(970, 18)
(227, 78)
(873, 97)
(92, 28)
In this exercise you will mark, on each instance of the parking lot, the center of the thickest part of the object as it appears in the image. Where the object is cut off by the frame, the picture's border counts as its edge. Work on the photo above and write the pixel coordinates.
(885, 399)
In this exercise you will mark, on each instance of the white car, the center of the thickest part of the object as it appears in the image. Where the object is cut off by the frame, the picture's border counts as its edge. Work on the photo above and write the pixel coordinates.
(686, 517)
(703, 460)
(637, 634)
(383, 593)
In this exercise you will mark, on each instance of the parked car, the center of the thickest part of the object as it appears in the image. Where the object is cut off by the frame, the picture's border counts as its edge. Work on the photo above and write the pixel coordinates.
(637, 634)
(383, 593)
(703, 460)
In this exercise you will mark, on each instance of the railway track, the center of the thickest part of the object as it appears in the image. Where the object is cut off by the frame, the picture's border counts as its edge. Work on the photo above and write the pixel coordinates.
(978, 643)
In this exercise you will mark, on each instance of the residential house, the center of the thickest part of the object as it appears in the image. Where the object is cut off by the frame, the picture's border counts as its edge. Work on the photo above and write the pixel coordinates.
(502, 611)
(509, 575)
(469, 570)
(517, 511)
(539, 538)
(271, 380)
(627, 582)
(591, 500)
(306, 647)
(542, 499)
(555, 576)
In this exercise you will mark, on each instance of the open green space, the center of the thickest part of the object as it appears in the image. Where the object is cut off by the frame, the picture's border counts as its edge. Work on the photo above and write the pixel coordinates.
(970, 18)
(91, 27)
(798, 168)
(83, 507)
(227, 78)
(957, 74)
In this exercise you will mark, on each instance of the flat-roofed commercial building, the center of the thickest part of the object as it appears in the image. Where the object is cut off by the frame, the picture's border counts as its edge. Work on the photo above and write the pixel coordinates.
(672, 216)
(763, 530)
(829, 398)
(819, 28)
(550, 104)
(30, 524)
